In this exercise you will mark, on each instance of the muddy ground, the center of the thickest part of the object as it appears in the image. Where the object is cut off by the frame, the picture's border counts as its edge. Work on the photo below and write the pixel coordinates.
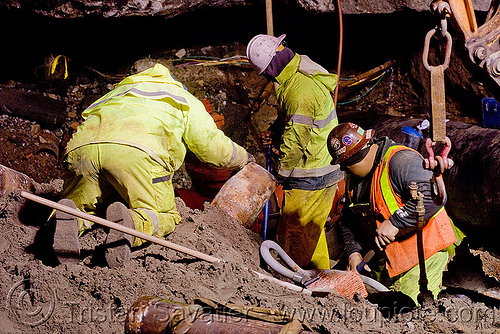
(41, 296)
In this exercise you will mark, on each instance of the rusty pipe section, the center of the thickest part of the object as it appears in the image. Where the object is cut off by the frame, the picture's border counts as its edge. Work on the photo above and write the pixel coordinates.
(154, 315)
(11, 180)
(244, 195)
(149, 315)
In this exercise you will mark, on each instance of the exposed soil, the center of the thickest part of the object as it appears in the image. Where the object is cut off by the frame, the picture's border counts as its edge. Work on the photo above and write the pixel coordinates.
(44, 297)
(88, 297)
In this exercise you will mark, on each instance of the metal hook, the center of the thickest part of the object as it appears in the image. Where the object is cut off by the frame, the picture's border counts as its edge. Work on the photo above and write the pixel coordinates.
(438, 164)
(441, 162)
(442, 10)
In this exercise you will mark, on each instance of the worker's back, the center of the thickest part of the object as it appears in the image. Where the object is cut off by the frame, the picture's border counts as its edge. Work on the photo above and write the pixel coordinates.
(152, 111)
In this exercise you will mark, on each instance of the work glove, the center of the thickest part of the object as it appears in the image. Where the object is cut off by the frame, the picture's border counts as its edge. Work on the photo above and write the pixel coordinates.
(250, 158)
(386, 233)
(266, 138)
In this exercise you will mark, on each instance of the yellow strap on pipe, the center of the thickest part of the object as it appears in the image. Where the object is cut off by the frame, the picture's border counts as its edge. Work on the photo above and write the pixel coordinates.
(54, 66)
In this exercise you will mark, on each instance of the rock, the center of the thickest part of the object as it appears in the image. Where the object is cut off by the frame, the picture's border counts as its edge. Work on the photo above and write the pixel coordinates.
(116, 8)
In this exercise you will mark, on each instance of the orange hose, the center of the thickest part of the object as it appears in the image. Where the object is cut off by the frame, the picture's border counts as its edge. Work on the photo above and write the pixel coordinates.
(341, 42)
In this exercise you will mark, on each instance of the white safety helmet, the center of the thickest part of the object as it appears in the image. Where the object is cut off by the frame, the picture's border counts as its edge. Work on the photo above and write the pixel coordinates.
(261, 50)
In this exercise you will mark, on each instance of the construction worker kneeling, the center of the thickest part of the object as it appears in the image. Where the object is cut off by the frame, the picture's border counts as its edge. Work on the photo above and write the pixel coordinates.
(126, 151)
(380, 213)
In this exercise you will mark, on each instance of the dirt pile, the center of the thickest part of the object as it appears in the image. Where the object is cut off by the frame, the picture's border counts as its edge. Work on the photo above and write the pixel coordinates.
(87, 297)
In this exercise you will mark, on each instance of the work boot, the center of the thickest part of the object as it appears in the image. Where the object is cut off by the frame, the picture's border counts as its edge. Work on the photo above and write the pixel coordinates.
(118, 243)
(66, 245)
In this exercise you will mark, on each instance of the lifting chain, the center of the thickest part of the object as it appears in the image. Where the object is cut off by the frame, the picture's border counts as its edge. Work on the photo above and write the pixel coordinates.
(438, 163)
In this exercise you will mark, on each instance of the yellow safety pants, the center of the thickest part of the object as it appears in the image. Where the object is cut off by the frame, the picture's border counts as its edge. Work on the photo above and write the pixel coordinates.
(301, 231)
(96, 172)
(407, 282)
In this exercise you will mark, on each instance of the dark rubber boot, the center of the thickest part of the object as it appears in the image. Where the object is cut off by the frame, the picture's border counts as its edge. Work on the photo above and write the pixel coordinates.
(118, 243)
(66, 245)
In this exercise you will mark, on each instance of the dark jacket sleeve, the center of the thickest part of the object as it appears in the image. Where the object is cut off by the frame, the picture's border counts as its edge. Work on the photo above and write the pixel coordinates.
(348, 237)
(349, 230)
(406, 167)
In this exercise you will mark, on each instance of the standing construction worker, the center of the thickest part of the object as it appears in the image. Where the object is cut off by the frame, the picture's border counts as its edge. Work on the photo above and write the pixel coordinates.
(131, 142)
(309, 180)
(380, 213)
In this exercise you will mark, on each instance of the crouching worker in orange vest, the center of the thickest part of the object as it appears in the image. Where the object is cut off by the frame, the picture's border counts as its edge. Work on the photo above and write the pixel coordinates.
(380, 214)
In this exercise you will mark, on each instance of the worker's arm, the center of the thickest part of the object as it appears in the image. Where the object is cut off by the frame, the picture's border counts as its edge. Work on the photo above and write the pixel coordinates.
(350, 244)
(348, 234)
(406, 167)
(208, 143)
(296, 136)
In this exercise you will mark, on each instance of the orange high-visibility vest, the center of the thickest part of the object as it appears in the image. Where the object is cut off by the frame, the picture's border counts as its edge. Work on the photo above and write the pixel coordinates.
(402, 255)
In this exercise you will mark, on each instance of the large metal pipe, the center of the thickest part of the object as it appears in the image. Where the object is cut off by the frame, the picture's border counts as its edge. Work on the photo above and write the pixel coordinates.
(153, 315)
(472, 184)
(246, 193)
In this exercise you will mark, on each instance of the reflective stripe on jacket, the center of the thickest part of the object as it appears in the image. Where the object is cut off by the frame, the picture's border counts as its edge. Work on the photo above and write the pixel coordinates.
(310, 116)
(402, 255)
(152, 111)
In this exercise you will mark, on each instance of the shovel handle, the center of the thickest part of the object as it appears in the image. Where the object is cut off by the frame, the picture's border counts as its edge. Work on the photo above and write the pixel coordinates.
(118, 227)
(148, 237)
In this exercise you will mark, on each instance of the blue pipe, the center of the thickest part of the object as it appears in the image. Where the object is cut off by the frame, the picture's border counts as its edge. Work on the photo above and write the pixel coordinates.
(265, 221)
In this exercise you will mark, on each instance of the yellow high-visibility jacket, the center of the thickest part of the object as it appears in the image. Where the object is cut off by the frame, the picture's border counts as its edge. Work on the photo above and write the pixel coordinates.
(306, 100)
(151, 111)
